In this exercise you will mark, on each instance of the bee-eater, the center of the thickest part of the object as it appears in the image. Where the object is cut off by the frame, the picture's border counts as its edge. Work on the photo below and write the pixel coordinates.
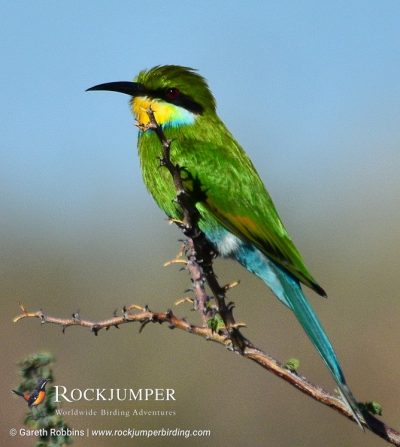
(237, 214)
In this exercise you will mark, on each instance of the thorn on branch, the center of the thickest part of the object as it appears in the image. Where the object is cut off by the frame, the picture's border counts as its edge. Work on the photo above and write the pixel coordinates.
(95, 329)
(23, 308)
(239, 325)
(175, 261)
(231, 285)
(185, 299)
(144, 324)
(231, 305)
(136, 307)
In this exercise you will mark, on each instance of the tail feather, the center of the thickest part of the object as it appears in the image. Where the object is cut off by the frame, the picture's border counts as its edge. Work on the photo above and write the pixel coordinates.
(18, 393)
(348, 397)
(313, 328)
(288, 290)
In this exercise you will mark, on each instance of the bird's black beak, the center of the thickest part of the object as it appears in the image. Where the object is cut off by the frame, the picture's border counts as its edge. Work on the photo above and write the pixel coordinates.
(42, 383)
(129, 88)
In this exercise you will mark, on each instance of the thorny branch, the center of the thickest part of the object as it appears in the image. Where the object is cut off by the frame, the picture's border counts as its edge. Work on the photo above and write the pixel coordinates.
(144, 316)
(200, 255)
(200, 250)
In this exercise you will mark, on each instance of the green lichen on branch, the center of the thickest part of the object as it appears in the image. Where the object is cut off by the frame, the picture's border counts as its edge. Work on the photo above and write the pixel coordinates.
(292, 364)
(43, 417)
(373, 407)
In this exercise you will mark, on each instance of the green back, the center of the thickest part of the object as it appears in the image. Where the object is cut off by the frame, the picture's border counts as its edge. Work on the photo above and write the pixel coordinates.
(235, 196)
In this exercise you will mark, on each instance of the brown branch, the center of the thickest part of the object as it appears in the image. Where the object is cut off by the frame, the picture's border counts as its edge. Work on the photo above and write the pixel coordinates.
(144, 316)
(200, 250)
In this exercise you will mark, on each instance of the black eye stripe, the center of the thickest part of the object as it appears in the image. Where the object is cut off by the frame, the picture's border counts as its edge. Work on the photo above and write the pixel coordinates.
(176, 97)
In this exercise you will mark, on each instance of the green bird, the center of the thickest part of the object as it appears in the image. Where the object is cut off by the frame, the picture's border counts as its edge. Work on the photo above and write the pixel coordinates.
(237, 214)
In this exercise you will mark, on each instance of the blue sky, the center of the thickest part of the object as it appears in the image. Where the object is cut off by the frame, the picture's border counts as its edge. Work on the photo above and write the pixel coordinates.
(299, 83)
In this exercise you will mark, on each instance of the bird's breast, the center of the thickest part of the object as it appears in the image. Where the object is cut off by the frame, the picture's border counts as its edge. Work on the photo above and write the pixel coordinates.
(39, 398)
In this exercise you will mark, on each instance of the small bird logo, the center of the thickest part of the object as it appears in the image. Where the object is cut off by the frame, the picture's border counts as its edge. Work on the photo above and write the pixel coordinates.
(36, 396)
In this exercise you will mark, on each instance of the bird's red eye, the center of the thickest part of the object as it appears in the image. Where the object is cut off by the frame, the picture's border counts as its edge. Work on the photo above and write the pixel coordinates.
(172, 93)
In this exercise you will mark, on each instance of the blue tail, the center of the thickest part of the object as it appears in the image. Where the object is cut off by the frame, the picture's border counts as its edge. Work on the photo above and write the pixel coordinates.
(289, 291)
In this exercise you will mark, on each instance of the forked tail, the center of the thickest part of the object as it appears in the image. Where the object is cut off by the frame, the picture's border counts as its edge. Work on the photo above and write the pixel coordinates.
(18, 393)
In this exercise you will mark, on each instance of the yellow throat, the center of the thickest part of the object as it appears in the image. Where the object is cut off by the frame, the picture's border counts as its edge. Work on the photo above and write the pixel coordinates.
(164, 112)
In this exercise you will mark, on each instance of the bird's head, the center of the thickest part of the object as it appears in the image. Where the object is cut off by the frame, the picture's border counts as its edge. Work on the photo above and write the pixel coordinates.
(42, 384)
(177, 95)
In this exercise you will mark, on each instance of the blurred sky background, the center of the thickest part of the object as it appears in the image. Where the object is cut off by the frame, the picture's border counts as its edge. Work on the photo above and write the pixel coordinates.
(311, 89)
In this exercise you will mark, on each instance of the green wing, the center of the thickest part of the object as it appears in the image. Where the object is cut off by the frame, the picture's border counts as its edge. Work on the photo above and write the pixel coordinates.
(237, 198)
